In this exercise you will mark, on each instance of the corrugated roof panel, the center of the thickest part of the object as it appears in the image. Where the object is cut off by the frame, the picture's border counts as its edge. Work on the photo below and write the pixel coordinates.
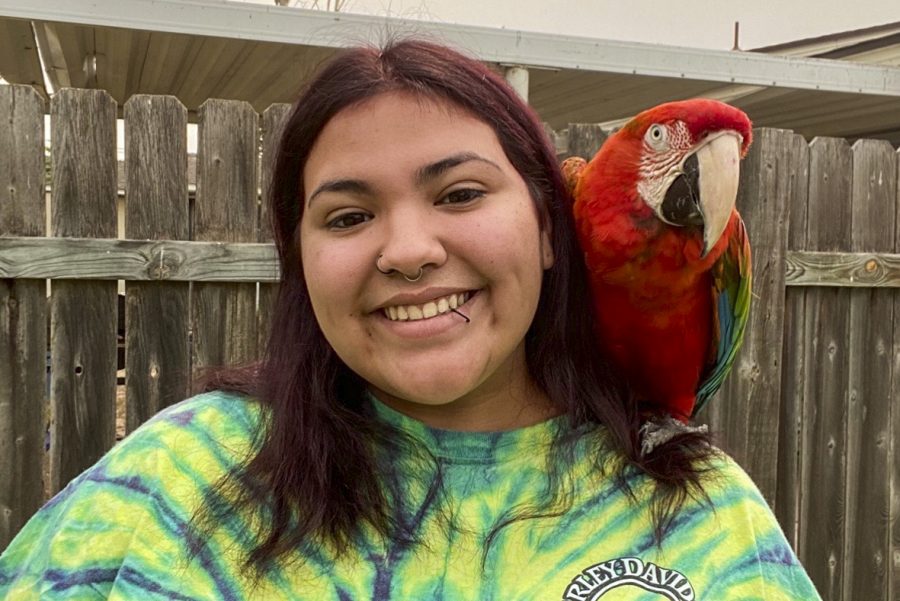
(19, 62)
(256, 67)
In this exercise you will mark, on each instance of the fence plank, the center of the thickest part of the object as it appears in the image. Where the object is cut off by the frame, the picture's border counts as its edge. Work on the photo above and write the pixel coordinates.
(787, 499)
(157, 345)
(894, 517)
(190, 261)
(226, 209)
(867, 507)
(585, 139)
(273, 122)
(23, 313)
(137, 260)
(845, 269)
(823, 445)
(754, 385)
(83, 313)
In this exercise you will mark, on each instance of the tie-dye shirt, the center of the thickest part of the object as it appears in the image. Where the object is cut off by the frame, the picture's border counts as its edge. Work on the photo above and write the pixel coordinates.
(118, 530)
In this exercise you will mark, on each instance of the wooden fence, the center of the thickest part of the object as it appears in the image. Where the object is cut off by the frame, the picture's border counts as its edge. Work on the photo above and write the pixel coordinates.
(811, 410)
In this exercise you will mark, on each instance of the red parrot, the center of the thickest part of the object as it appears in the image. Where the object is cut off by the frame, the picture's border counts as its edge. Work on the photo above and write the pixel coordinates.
(667, 252)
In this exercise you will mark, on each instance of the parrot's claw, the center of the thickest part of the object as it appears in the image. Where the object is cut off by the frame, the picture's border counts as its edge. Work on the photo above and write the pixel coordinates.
(661, 430)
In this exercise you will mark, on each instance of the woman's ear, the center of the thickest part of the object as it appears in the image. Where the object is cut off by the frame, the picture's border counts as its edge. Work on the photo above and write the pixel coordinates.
(547, 257)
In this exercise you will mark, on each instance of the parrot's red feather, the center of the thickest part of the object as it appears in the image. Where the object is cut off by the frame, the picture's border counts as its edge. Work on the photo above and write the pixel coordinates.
(651, 285)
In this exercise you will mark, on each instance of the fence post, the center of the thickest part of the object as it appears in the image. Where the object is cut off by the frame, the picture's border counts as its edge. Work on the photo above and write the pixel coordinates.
(273, 122)
(823, 442)
(787, 499)
(894, 448)
(83, 315)
(585, 139)
(746, 412)
(867, 539)
(226, 209)
(23, 313)
(157, 348)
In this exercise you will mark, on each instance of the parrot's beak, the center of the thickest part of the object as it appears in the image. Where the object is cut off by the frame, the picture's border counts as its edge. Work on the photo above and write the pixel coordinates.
(705, 193)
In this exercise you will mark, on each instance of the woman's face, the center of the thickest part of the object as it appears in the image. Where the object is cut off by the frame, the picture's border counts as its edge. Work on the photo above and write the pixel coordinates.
(421, 183)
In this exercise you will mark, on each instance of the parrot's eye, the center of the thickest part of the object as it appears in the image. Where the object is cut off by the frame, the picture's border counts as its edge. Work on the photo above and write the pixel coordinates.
(656, 136)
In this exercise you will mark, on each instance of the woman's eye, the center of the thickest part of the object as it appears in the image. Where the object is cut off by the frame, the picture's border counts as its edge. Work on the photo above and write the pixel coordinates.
(347, 220)
(461, 196)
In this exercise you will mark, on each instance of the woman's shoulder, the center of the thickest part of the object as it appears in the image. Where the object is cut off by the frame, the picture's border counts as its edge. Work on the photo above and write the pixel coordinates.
(217, 413)
(206, 434)
(725, 481)
(134, 505)
(187, 445)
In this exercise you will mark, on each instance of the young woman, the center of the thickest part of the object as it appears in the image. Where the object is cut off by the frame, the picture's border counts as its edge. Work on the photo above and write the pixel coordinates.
(430, 420)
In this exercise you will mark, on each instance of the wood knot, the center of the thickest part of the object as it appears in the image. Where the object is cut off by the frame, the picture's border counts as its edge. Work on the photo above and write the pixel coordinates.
(871, 265)
(163, 265)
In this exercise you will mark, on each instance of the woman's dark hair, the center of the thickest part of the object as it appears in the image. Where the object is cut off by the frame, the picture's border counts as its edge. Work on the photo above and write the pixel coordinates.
(314, 475)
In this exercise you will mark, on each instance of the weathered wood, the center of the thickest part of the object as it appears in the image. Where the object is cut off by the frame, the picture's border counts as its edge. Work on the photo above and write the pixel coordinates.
(137, 260)
(273, 122)
(823, 450)
(585, 139)
(23, 313)
(754, 385)
(843, 269)
(894, 467)
(787, 498)
(226, 209)
(83, 313)
(157, 343)
(189, 261)
(867, 538)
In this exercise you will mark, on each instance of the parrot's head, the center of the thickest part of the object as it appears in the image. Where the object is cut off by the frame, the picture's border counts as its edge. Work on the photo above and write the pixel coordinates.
(687, 157)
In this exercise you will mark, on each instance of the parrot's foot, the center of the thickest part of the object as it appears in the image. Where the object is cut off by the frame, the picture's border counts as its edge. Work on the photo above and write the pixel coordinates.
(661, 430)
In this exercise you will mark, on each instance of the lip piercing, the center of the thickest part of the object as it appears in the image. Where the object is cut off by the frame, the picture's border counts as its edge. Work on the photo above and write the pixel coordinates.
(417, 277)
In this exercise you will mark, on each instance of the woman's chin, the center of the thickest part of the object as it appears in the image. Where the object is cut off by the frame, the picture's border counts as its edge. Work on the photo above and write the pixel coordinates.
(432, 392)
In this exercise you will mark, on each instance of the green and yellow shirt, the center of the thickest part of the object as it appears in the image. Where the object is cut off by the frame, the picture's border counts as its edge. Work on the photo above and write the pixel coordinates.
(118, 531)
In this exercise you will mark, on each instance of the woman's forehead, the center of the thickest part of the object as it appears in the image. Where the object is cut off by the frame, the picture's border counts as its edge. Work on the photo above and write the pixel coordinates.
(404, 128)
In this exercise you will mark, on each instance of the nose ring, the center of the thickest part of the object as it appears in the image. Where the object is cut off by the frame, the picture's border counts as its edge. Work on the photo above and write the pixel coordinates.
(417, 277)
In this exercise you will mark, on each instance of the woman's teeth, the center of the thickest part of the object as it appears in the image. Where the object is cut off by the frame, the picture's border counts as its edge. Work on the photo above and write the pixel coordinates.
(438, 306)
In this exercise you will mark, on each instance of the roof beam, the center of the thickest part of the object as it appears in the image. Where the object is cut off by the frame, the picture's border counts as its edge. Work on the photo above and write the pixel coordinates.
(320, 28)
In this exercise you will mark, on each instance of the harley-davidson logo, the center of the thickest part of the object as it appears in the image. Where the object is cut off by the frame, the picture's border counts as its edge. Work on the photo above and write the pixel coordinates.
(595, 581)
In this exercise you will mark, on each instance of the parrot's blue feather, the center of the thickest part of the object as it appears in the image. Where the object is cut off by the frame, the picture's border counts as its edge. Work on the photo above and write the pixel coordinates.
(731, 293)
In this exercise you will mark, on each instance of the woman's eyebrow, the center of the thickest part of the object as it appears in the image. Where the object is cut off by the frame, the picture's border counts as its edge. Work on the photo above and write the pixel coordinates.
(354, 186)
(423, 175)
(433, 170)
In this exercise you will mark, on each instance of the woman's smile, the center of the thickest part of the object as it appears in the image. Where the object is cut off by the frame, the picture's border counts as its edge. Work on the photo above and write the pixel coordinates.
(449, 314)
(406, 307)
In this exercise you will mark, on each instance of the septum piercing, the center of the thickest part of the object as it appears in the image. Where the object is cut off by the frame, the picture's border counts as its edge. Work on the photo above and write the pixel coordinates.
(418, 277)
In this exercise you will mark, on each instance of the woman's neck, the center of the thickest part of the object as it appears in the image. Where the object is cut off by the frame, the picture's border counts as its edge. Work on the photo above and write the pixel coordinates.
(507, 403)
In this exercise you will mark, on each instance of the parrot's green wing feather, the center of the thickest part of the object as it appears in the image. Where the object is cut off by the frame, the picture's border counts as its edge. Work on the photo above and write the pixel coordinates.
(731, 305)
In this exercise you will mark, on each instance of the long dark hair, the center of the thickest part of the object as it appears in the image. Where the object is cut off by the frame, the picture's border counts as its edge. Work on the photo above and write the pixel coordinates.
(314, 475)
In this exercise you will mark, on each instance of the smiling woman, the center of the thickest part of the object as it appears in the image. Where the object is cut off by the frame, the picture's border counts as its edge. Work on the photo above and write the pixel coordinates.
(431, 419)
(450, 208)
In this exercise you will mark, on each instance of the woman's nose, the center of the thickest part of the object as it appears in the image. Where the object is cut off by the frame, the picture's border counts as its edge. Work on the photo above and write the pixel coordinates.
(411, 241)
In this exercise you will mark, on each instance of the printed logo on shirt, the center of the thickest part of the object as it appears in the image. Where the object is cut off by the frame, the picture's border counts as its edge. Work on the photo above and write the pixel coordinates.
(595, 581)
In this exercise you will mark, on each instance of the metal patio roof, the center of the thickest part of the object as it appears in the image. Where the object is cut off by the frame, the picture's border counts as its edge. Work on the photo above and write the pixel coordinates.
(198, 49)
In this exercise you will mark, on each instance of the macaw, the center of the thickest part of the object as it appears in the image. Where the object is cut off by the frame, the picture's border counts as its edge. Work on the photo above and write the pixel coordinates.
(666, 251)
